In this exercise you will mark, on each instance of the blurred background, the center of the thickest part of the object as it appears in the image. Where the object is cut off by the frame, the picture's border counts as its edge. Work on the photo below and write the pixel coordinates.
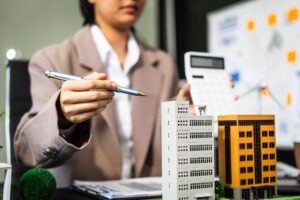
(259, 39)
(33, 24)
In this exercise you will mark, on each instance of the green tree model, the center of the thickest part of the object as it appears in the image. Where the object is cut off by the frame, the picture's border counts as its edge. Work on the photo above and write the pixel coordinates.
(219, 189)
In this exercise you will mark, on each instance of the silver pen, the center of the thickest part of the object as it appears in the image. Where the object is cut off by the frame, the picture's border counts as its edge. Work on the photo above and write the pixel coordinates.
(68, 77)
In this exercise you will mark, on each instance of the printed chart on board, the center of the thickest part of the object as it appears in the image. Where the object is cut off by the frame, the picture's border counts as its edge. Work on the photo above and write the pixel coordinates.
(260, 41)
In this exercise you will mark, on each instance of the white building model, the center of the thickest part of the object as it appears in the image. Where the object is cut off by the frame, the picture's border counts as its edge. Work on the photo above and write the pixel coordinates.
(187, 153)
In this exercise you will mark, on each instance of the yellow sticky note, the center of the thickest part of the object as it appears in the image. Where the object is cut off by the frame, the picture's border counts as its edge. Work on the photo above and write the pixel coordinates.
(272, 19)
(292, 15)
(250, 25)
(292, 56)
(289, 99)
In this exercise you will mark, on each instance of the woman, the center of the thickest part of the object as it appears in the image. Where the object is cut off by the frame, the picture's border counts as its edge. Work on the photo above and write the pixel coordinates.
(82, 126)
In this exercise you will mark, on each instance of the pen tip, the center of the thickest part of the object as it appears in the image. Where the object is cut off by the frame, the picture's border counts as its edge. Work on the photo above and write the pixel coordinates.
(141, 94)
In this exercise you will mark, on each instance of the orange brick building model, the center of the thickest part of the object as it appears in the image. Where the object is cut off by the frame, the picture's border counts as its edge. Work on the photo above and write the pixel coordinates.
(247, 156)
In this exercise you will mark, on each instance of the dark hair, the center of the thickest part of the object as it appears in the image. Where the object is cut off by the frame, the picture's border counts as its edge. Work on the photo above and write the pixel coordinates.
(87, 11)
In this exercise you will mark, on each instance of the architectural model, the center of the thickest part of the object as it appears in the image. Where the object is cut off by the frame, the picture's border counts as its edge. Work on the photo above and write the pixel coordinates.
(247, 156)
(187, 153)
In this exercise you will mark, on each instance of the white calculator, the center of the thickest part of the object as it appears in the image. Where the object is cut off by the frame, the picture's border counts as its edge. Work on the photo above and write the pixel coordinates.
(210, 84)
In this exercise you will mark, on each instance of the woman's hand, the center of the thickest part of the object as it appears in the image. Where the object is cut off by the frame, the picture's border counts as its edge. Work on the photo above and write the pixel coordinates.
(184, 94)
(83, 99)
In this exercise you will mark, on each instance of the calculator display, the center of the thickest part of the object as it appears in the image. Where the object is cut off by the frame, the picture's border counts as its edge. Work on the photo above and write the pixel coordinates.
(207, 62)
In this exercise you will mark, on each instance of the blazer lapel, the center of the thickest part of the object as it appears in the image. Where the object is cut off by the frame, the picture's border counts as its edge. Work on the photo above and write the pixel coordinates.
(145, 78)
(87, 52)
(90, 62)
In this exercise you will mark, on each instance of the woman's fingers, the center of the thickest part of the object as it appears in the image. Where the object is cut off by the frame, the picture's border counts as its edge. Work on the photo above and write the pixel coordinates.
(184, 93)
(96, 76)
(78, 118)
(80, 108)
(81, 100)
(83, 85)
(71, 97)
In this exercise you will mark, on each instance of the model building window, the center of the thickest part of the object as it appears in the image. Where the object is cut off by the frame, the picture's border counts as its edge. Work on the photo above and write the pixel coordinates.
(208, 135)
(200, 135)
(182, 123)
(201, 160)
(197, 122)
(242, 134)
(273, 179)
(266, 168)
(201, 172)
(266, 180)
(249, 146)
(250, 169)
(183, 174)
(249, 157)
(265, 145)
(271, 133)
(272, 144)
(243, 182)
(207, 122)
(242, 146)
(183, 187)
(249, 134)
(201, 185)
(242, 158)
(181, 110)
(243, 170)
(265, 157)
(264, 133)
(182, 161)
(272, 156)
(195, 160)
(272, 168)
(250, 181)
(205, 147)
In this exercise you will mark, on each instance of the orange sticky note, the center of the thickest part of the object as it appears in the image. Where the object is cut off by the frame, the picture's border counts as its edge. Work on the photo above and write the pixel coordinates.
(250, 25)
(289, 99)
(264, 92)
(292, 15)
(292, 56)
(272, 19)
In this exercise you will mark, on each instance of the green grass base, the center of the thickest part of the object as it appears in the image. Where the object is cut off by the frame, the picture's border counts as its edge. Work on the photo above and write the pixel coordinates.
(277, 198)
(288, 198)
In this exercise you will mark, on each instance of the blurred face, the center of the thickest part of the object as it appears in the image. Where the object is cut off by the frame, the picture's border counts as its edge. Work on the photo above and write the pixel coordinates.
(121, 14)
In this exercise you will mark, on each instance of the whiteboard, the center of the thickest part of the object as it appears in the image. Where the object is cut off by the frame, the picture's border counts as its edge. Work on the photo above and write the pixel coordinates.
(260, 41)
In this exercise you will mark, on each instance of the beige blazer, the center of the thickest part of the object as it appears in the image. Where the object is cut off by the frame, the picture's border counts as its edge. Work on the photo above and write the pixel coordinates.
(37, 141)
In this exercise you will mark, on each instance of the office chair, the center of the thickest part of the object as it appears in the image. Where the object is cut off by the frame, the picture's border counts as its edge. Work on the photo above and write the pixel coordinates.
(18, 102)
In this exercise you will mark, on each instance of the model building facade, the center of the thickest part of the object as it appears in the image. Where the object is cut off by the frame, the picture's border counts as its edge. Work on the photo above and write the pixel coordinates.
(187, 153)
(247, 156)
